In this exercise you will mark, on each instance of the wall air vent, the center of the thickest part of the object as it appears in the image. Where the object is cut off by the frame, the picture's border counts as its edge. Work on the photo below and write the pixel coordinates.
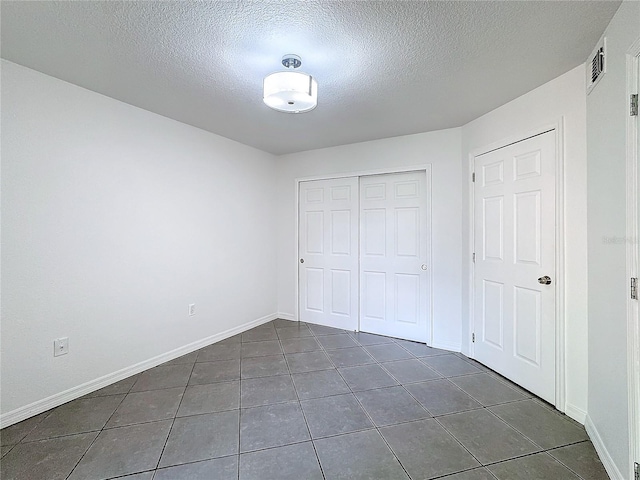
(597, 65)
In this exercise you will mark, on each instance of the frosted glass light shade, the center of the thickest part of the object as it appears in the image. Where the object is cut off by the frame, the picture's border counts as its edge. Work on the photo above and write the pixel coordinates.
(291, 92)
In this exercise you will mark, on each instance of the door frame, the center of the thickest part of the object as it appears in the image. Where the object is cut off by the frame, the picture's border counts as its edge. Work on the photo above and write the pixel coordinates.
(558, 128)
(633, 256)
(366, 173)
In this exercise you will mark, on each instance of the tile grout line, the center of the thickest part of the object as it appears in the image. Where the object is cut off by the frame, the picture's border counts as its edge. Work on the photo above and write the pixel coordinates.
(100, 431)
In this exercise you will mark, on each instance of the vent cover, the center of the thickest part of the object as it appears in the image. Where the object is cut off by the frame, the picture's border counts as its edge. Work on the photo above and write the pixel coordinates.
(597, 64)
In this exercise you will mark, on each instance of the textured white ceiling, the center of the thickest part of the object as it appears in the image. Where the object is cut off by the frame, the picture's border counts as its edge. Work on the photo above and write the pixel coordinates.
(384, 68)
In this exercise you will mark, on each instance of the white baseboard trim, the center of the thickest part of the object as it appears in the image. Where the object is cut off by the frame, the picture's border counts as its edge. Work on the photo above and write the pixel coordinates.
(35, 408)
(576, 413)
(453, 347)
(602, 451)
(287, 316)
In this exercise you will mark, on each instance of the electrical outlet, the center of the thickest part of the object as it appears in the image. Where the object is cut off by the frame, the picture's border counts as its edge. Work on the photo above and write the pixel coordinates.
(192, 309)
(60, 346)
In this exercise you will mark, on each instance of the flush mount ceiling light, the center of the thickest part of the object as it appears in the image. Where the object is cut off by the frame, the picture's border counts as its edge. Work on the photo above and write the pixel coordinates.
(291, 91)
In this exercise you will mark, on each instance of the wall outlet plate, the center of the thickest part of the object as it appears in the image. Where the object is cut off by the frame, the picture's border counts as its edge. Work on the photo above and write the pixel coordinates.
(60, 346)
(192, 309)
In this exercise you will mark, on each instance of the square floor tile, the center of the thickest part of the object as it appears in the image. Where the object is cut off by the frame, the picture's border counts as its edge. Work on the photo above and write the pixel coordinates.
(260, 333)
(4, 449)
(308, 362)
(319, 384)
(358, 456)
(282, 323)
(139, 476)
(213, 372)
(333, 342)
(475, 474)
(420, 349)
(388, 406)
(542, 426)
(291, 462)
(369, 338)
(201, 437)
(441, 397)
(320, 330)
(267, 390)
(486, 389)
(511, 385)
(78, 416)
(536, 466)
(294, 332)
(45, 459)
(388, 352)
(117, 388)
(334, 415)
(487, 437)
(124, 450)
(189, 358)
(264, 366)
(410, 371)
(225, 468)
(16, 432)
(163, 377)
(449, 365)
(427, 450)
(366, 377)
(582, 459)
(272, 426)
(219, 351)
(215, 397)
(299, 345)
(261, 349)
(350, 357)
(149, 406)
(235, 339)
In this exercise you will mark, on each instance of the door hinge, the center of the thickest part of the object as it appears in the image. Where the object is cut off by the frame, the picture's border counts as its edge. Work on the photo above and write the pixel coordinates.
(473, 338)
(473, 258)
(634, 288)
(636, 470)
(633, 109)
(473, 177)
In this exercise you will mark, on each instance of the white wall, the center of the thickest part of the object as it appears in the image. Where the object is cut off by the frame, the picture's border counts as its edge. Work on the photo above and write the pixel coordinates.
(441, 149)
(114, 219)
(561, 97)
(607, 110)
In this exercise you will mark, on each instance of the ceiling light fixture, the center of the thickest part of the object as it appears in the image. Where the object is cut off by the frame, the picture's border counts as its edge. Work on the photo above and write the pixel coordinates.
(291, 91)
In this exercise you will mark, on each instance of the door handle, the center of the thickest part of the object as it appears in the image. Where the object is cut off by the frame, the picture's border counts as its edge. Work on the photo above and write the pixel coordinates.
(546, 280)
(423, 266)
(302, 260)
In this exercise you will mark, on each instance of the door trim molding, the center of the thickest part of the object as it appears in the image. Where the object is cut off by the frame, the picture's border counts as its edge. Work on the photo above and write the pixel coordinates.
(558, 128)
(427, 168)
(632, 254)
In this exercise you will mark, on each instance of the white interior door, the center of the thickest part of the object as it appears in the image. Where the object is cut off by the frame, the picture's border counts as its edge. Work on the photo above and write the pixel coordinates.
(515, 247)
(328, 248)
(394, 290)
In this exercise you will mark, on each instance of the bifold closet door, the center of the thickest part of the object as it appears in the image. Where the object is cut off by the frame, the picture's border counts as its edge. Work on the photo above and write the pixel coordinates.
(328, 249)
(394, 290)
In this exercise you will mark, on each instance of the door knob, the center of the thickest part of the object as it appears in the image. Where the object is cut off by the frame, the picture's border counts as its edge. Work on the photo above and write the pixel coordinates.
(424, 266)
(546, 280)
(302, 260)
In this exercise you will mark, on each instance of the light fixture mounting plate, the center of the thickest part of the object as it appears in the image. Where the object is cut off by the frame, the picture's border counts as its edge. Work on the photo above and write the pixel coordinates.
(291, 61)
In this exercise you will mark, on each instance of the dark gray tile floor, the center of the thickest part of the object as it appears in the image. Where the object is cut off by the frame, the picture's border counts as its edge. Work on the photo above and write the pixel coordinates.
(304, 402)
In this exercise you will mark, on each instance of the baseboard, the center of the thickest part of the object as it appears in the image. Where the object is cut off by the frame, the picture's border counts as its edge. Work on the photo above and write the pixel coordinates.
(453, 347)
(576, 413)
(287, 316)
(601, 449)
(58, 399)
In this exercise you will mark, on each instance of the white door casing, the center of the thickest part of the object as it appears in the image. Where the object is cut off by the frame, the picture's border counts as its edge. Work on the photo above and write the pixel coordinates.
(633, 256)
(394, 290)
(514, 245)
(328, 251)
